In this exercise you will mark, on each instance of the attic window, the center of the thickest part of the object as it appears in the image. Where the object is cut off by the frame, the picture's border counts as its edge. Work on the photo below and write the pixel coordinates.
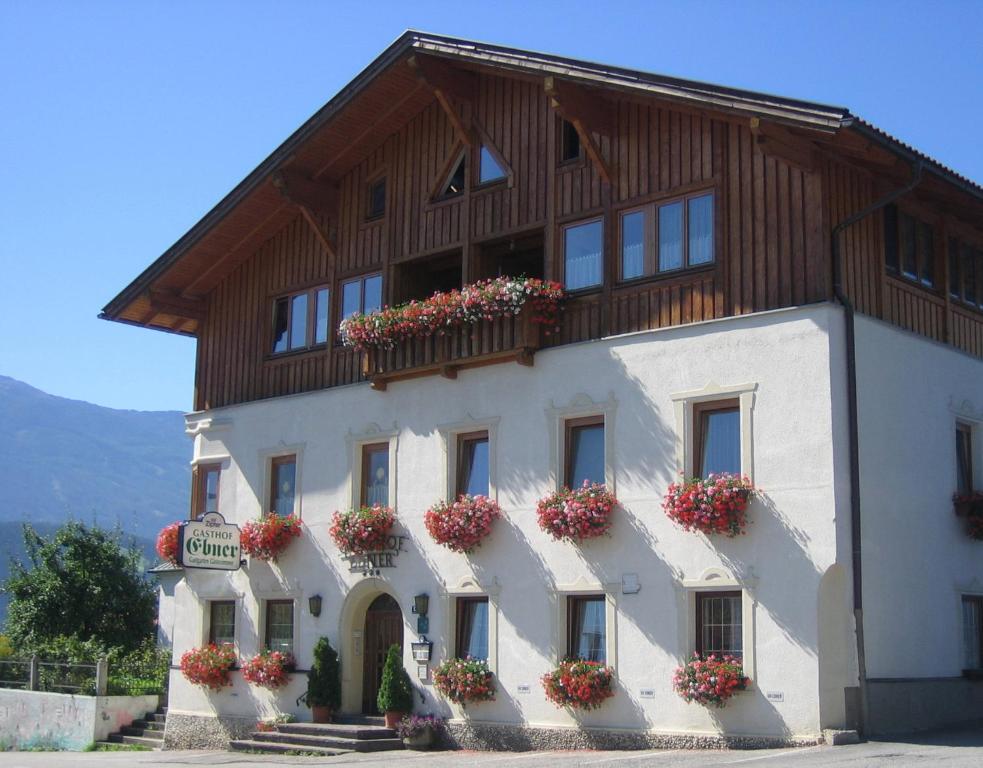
(569, 142)
(455, 182)
(489, 169)
(377, 199)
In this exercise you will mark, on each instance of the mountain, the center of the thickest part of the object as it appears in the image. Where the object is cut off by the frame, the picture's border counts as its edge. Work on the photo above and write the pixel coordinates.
(66, 459)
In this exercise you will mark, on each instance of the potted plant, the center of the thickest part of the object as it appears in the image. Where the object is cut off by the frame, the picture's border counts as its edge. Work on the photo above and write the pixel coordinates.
(579, 684)
(970, 507)
(712, 680)
(209, 666)
(323, 693)
(395, 697)
(269, 536)
(578, 514)
(269, 669)
(418, 731)
(363, 530)
(465, 680)
(461, 525)
(714, 505)
(167, 543)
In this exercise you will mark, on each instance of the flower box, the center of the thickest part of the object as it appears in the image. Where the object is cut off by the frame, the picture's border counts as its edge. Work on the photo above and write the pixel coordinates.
(167, 542)
(712, 680)
(269, 669)
(461, 525)
(268, 537)
(419, 731)
(970, 507)
(465, 681)
(363, 530)
(209, 666)
(576, 515)
(579, 684)
(716, 505)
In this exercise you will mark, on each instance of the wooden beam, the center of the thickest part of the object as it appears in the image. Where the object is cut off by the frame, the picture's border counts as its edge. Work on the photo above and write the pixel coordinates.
(319, 195)
(780, 143)
(319, 232)
(446, 81)
(165, 303)
(586, 113)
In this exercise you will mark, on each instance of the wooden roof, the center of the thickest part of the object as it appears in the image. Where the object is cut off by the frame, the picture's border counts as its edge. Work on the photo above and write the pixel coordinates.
(168, 294)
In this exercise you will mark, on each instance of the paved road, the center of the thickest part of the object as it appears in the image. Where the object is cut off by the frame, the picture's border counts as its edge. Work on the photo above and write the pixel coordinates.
(954, 749)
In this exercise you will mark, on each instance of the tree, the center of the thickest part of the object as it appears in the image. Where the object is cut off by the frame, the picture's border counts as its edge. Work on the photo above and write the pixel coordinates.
(324, 677)
(81, 582)
(396, 690)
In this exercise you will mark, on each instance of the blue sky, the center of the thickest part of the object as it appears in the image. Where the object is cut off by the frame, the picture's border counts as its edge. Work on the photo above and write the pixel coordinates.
(122, 123)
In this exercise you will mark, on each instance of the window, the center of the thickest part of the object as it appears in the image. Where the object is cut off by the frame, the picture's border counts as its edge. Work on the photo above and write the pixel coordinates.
(221, 621)
(586, 630)
(375, 475)
(280, 625)
(205, 489)
(583, 246)
(717, 437)
(472, 628)
(973, 632)
(909, 246)
(667, 236)
(300, 320)
(569, 142)
(964, 459)
(584, 451)
(363, 294)
(489, 168)
(283, 481)
(719, 624)
(454, 184)
(377, 199)
(472, 464)
(966, 272)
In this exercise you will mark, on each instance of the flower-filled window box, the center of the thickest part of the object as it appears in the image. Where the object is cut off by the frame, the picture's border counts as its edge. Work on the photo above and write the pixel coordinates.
(209, 666)
(363, 530)
(167, 543)
(579, 514)
(268, 537)
(709, 681)
(970, 507)
(465, 681)
(461, 525)
(269, 669)
(579, 684)
(484, 300)
(717, 504)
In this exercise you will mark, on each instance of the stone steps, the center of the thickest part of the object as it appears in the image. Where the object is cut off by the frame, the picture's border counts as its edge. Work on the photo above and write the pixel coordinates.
(145, 732)
(248, 745)
(349, 734)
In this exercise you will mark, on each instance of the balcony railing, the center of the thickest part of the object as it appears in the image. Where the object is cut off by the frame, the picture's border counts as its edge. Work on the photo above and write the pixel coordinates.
(503, 339)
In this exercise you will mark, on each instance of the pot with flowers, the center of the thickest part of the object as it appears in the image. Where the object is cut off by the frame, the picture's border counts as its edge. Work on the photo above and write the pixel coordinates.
(167, 543)
(710, 681)
(969, 506)
(209, 666)
(576, 515)
(715, 505)
(269, 669)
(363, 530)
(268, 537)
(461, 525)
(465, 681)
(419, 731)
(579, 684)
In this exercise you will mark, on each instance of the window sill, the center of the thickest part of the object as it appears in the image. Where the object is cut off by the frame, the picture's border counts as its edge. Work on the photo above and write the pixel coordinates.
(677, 274)
(295, 354)
(576, 293)
(489, 186)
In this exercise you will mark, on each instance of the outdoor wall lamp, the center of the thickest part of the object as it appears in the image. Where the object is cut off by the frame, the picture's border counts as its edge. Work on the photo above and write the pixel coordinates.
(421, 604)
(314, 603)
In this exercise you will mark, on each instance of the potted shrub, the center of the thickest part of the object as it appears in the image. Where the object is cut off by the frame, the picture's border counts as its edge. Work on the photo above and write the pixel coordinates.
(363, 530)
(579, 684)
(167, 543)
(269, 669)
(418, 731)
(395, 697)
(712, 680)
(323, 693)
(970, 507)
(578, 514)
(715, 505)
(465, 680)
(461, 525)
(209, 666)
(269, 536)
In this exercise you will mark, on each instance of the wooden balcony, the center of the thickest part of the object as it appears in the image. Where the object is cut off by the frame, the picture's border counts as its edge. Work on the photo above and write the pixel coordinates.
(504, 339)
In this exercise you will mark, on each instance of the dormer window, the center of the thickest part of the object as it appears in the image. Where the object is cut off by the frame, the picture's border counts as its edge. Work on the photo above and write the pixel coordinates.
(377, 199)
(489, 168)
(454, 184)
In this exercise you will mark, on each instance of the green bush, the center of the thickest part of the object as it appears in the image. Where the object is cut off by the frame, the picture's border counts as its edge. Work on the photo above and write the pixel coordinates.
(324, 679)
(396, 690)
(140, 672)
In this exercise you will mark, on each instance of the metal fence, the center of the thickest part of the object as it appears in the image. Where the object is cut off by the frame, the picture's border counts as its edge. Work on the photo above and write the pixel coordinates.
(55, 676)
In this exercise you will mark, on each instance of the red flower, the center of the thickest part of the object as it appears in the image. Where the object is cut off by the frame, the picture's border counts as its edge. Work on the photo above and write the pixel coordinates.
(579, 684)
(461, 525)
(167, 542)
(576, 515)
(267, 537)
(712, 680)
(465, 680)
(269, 669)
(363, 530)
(209, 666)
(714, 505)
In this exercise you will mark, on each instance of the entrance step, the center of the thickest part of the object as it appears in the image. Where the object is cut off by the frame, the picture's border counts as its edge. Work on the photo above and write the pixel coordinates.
(347, 734)
(248, 745)
(146, 732)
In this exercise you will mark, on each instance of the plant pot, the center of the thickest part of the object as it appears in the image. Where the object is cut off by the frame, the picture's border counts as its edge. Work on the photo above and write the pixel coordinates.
(322, 714)
(393, 717)
(421, 740)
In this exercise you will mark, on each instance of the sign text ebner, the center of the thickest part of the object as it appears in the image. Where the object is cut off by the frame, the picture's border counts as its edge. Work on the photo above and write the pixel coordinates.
(209, 543)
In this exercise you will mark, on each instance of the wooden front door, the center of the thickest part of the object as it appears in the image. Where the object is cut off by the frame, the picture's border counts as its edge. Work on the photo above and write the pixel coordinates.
(383, 628)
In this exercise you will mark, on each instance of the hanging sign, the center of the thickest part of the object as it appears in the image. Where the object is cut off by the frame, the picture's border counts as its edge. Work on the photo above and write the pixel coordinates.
(210, 543)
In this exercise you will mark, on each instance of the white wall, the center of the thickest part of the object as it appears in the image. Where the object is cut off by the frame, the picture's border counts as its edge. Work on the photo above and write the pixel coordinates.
(791, 542)
(917, 559)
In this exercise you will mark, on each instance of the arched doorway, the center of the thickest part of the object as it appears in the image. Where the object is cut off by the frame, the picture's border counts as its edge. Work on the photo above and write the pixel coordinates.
(383, 628)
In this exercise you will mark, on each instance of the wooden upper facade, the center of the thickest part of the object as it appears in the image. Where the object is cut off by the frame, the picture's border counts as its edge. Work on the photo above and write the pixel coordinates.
(572, 143)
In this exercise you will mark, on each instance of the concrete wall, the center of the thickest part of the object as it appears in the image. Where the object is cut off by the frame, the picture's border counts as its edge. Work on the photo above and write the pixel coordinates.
(917, 559)
(32, 719)
(784, 357)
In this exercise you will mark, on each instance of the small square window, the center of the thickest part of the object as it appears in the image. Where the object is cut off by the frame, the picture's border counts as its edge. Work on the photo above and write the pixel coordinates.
(584, 451)
(472, 464)
(586, 627)
(569, 142)
(377, 199)
(972, 632)
(221, 622)
(283, 480)
(279, 635)
(361, 295)
(719, 624)
(375, 475)
(471, 639)
(717, 438)
(583, 249)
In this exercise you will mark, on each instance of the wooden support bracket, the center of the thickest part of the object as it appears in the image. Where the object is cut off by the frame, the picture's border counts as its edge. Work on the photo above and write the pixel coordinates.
(587, 113)
(447, 82)
(162, 303)
(311, 197)
(777, 141)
